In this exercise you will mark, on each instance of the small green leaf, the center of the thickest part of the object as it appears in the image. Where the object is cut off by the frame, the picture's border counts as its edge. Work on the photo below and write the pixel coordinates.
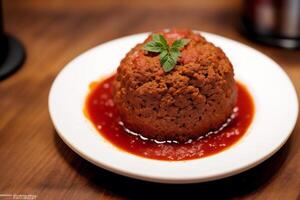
(153, 47)
(160, 40)
(163, 55)
(168, 55)
(180, 43)
(174, 53)
(163, 41)
(156, 38)
(169, 64)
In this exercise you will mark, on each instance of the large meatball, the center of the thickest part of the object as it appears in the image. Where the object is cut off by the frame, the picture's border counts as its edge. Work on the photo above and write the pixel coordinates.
(196, 97)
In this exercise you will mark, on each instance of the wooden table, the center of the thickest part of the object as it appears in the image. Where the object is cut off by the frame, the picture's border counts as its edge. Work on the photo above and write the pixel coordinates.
(34, 160)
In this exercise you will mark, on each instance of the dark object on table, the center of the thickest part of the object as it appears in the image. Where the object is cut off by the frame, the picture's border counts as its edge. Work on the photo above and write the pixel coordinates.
(11, 52)
(273, 22)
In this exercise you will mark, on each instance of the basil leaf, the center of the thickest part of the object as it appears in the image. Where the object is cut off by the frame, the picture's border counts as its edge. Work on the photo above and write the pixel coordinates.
(180, 43)
(163, 41)
(153, 47)
(163, 56)
(168, 55)
(174, 53)
(156, 38)
(168, 64)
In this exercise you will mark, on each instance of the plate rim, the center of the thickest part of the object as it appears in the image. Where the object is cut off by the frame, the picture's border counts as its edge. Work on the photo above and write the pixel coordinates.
(170, 180)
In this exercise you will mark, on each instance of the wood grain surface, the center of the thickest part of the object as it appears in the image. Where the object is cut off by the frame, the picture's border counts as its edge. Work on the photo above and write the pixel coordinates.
(34, 160)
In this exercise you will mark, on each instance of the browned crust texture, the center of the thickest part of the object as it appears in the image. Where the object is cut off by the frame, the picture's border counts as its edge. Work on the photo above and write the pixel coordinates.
(194, 98)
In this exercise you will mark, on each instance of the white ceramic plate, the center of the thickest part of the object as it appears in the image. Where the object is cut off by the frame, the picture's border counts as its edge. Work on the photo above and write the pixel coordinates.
(274, 96)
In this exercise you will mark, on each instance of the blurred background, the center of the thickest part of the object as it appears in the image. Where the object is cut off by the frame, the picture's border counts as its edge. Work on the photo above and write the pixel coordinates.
(81, 24)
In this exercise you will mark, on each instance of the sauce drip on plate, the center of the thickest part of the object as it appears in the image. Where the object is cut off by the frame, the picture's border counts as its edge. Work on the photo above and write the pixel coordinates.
(99, 108)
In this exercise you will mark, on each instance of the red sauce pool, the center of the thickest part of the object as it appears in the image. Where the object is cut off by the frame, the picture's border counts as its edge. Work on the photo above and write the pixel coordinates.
(100, 109)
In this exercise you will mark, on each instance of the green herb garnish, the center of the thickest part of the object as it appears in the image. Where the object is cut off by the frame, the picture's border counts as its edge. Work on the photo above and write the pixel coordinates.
(168, 54)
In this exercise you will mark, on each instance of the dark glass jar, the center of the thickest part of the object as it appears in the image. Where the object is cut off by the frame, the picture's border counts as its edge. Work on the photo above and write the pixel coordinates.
(3, 41)
(274, 22)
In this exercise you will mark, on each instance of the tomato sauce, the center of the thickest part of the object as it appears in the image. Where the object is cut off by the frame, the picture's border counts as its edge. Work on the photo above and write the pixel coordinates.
(100, 110)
